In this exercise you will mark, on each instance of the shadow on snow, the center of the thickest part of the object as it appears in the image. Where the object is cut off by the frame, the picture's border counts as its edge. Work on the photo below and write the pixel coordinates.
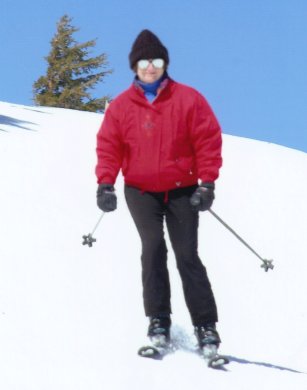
(262, 364)
(7, 120)
(185, 342)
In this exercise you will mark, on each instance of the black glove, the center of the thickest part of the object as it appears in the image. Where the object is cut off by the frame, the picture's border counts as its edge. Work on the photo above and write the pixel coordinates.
(106, 198)
(203, 197)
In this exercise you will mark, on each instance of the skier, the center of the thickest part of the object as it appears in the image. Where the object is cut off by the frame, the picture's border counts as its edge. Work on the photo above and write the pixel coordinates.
(166, 140)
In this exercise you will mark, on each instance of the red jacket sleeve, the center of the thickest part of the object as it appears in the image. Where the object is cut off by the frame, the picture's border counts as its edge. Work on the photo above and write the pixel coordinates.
(206, 140)
(109, 149)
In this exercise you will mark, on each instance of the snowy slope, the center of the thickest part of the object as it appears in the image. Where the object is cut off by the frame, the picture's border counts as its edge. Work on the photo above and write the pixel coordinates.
(71, 317)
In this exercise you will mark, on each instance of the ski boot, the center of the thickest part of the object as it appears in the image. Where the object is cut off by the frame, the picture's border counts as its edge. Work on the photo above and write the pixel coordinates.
(209, 342)
(159, 336)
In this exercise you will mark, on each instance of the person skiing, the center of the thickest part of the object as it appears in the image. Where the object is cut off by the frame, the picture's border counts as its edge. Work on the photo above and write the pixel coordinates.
(165, 138)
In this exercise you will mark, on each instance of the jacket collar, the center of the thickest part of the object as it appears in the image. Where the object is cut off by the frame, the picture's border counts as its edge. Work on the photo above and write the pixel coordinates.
(137, 92)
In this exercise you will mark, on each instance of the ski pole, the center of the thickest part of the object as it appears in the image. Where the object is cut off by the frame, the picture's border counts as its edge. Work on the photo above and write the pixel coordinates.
(267, 264)
(89, 239)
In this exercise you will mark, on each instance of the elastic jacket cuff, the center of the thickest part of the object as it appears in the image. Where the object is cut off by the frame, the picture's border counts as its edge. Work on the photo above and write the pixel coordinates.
(210, 185)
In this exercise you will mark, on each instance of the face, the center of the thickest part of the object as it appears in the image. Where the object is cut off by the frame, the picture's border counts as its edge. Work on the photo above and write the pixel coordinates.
(149, 74)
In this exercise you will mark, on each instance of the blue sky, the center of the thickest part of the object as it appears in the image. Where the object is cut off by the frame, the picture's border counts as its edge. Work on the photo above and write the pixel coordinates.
(249, 58)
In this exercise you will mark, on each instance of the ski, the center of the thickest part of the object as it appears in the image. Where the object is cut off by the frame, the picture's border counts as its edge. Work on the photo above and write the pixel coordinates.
(152, 352)
(212, 357)
(158, 348)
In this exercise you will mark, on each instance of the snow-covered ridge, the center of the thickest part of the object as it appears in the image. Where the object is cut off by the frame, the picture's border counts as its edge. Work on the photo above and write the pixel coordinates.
(71, 317)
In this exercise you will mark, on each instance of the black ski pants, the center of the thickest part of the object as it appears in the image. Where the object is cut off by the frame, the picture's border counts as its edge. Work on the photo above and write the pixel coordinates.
(149, 210)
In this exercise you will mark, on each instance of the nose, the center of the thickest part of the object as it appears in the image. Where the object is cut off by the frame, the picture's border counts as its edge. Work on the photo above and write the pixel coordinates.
(150, 66)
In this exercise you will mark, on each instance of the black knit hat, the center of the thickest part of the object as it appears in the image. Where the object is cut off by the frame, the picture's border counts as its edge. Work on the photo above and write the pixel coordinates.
(147, 45)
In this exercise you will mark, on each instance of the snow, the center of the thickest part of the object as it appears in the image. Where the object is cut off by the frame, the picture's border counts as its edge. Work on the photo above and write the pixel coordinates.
(71, 316)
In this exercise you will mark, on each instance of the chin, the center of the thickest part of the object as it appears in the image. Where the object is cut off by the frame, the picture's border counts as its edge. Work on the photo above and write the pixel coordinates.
(151, 79)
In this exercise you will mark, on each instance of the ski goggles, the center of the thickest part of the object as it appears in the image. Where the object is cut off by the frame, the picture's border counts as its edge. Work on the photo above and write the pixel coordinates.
(156, 63)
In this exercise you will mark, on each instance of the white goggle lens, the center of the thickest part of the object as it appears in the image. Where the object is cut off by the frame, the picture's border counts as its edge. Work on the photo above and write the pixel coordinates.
(157, 63)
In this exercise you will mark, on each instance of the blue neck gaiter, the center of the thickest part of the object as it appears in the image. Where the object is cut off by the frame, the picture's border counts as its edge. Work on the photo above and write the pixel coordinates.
(151, 89)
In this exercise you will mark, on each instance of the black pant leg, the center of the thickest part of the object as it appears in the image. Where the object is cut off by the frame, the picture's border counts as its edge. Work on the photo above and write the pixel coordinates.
(182, 223)
(147, 211)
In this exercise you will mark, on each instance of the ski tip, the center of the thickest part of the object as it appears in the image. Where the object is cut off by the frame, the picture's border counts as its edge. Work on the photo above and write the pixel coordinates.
(218, 361)
(150, 352)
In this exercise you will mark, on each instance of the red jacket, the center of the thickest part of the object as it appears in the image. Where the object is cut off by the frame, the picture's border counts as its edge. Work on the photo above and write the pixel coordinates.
(159, 146)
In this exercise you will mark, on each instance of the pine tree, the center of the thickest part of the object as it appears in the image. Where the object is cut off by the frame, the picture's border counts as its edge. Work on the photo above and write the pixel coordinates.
(71, 72)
